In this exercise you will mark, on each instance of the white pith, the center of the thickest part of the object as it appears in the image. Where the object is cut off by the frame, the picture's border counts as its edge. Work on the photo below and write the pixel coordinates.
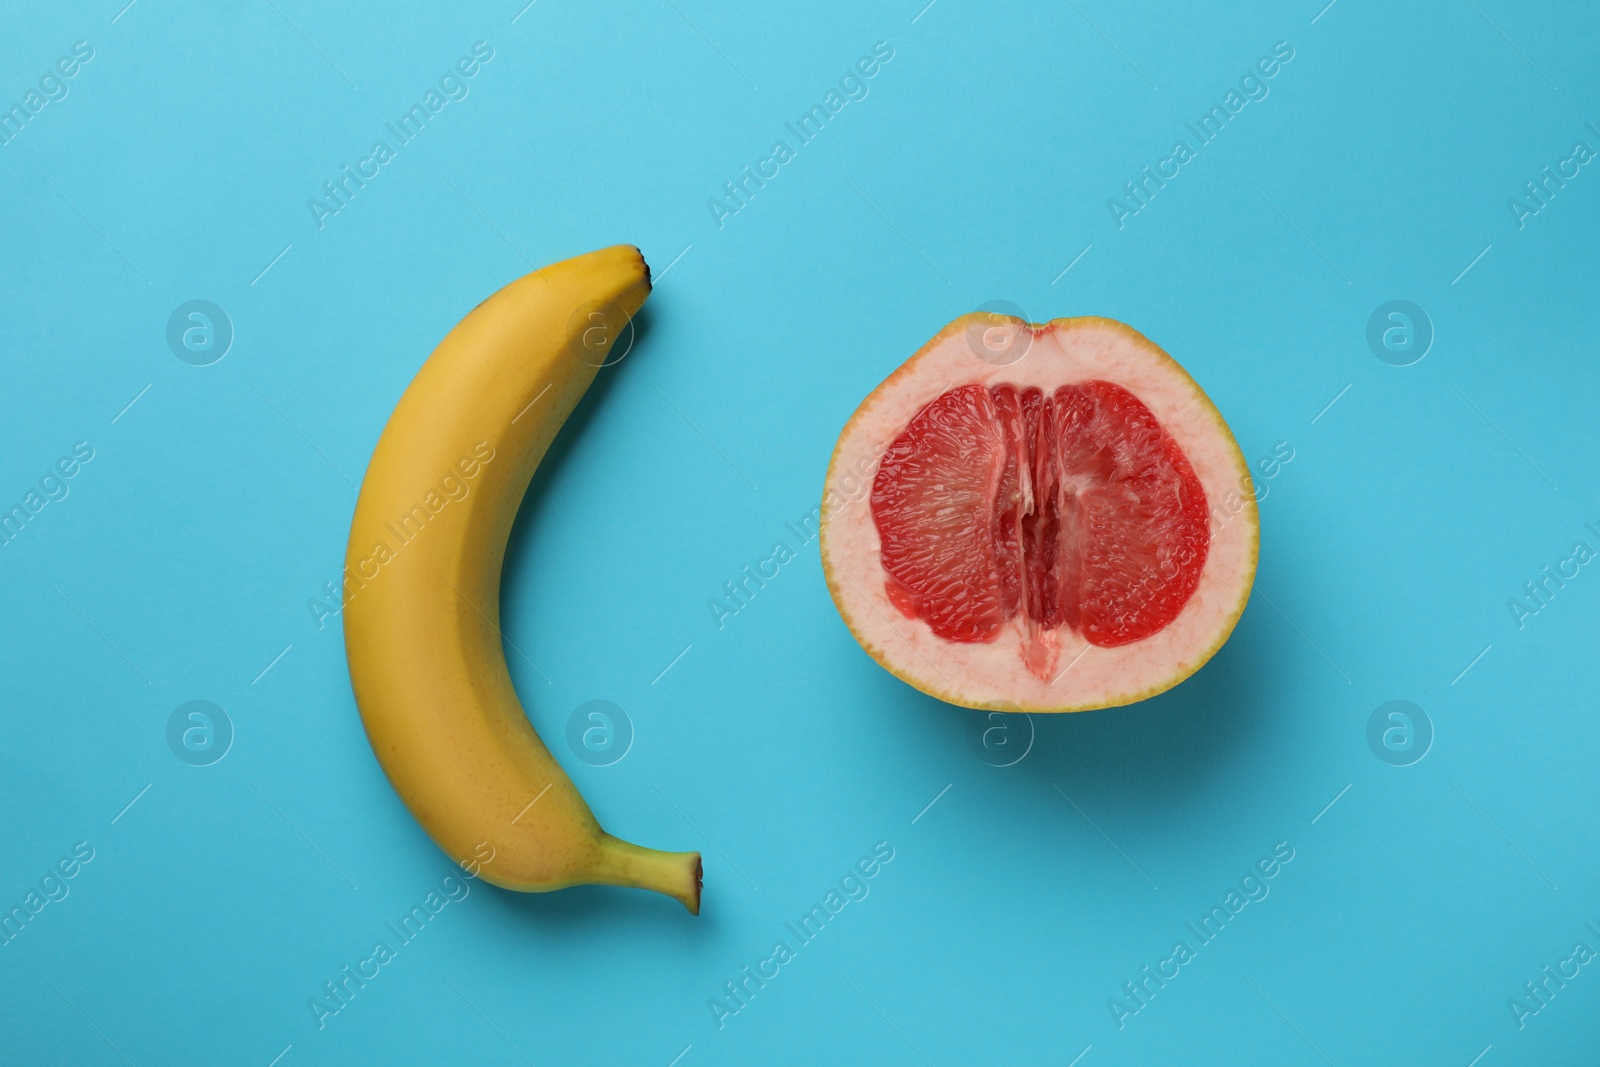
(991, 675)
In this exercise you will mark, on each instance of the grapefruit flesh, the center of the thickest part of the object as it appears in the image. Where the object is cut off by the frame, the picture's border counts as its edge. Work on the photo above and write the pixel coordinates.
(1072, 529)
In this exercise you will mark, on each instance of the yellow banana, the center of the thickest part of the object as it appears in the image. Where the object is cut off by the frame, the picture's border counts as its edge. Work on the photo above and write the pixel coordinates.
(422, 585)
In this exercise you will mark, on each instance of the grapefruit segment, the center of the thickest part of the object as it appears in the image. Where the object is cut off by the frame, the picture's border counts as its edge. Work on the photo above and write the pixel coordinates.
(1073, 530)
(935, 497)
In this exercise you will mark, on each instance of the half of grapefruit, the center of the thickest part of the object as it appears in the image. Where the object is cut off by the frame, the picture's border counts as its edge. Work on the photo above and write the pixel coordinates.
(1039, 518)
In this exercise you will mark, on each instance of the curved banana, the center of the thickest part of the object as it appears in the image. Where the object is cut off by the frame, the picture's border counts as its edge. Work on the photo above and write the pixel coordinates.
(422, 585)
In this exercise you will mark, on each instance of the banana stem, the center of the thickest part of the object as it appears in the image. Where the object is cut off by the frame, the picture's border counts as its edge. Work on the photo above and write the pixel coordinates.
(677, 874)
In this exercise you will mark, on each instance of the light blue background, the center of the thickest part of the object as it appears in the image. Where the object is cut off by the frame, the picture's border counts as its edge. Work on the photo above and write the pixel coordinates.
(977, 169)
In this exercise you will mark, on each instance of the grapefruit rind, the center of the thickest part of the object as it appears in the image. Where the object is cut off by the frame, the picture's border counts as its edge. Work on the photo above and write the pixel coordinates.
(987, 676)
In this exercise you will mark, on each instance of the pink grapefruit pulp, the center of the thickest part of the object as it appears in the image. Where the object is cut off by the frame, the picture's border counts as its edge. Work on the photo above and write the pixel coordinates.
(1056, 523)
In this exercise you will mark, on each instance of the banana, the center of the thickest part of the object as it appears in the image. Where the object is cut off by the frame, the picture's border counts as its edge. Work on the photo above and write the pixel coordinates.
(422, 585)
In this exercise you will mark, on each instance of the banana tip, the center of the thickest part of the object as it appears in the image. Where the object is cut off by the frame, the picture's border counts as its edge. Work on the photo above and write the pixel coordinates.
(693, 903)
